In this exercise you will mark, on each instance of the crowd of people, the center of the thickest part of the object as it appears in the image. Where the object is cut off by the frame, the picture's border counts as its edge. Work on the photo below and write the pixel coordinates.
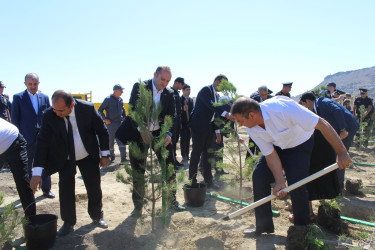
(295, 139)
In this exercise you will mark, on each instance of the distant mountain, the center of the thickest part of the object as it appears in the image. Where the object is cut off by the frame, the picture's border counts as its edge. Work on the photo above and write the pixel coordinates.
(351, 81)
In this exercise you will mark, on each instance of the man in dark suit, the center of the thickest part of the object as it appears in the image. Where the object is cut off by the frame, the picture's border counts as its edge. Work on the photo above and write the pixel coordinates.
(68, 137)
(188, 104)
(203, 130)
(27, 112)
(129, 131)
(340, 118)
(177, 86)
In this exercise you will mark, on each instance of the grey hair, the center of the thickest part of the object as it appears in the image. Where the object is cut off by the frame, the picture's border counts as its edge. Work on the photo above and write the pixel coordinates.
(262, 88)
(159, 69)
(32, 76)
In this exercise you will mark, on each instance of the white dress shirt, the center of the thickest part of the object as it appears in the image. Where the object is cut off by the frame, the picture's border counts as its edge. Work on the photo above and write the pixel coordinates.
(287, 124)
(79, 148)
(34, 101)
(8, 134)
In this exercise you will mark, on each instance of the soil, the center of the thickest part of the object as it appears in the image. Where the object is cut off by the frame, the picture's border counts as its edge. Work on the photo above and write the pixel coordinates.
(353, 186)
(191, 229)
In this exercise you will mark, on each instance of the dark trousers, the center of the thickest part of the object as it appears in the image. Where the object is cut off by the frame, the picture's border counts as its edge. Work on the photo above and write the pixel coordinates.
(90, 172)
(203, 144)
(185, 141)
(341, 172)
(138, 165)
(175, 138)
(46, 180)
(295, 162)
(112, 128)
(16, 157)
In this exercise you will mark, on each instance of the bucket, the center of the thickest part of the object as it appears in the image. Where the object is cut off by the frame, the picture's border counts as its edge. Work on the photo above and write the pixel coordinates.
(195, 194)
(40, 231)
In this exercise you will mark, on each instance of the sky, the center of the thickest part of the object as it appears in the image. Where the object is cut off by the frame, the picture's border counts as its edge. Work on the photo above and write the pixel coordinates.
(89, 45)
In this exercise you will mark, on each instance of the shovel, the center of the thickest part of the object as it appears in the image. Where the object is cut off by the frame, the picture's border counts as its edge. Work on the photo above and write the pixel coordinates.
(271, 196)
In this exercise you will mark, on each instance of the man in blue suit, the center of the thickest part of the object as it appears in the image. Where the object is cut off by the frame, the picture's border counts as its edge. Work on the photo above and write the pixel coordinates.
(27, 112)
(203, 130)
(340, 118)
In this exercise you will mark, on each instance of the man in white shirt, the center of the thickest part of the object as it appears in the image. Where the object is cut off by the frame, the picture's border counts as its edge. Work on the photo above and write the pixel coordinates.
(283, 131)
(71, 135)
(13, 152)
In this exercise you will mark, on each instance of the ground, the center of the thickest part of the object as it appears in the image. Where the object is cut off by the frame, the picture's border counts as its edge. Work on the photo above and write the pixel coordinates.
(184, 230)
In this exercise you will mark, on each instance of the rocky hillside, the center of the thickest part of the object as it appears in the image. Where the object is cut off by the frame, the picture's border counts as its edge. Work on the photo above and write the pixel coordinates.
(351, 81)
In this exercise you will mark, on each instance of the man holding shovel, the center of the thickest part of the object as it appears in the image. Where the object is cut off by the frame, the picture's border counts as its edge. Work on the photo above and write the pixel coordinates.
(283, 131)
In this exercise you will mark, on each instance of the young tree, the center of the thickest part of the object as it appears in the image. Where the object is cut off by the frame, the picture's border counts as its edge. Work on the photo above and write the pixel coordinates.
(144, 113)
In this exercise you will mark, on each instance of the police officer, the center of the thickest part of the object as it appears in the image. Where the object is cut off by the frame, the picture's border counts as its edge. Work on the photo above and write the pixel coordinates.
(287, 87)
(366, 115)
(5, 105)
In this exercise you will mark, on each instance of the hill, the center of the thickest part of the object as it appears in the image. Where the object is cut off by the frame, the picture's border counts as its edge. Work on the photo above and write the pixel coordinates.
(351, 81)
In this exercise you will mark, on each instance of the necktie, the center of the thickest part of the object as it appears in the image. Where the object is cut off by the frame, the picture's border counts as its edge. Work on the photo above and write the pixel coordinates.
(72, 154)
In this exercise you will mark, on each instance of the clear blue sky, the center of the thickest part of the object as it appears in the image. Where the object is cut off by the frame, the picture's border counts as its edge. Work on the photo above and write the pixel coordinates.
(85, 45)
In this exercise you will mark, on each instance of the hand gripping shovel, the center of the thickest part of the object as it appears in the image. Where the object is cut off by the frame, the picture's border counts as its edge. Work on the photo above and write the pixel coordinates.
(271, 196)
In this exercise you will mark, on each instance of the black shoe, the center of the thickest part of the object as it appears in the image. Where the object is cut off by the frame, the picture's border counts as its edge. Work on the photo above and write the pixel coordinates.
(213, 185)
(100, 223)
(49, 195)
(176, 206)
(255, 232)
(179, 164)
(65, 229)
(221, 171)
(123, 160)
(136, 213)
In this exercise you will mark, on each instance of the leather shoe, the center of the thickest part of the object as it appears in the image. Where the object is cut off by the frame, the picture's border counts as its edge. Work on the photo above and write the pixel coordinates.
(255, 232)
(100, 223)
(49, 195)
(65, 229)
(221, 171)
(136, 213)
(176, 206)
(179, 164)
(213, 185)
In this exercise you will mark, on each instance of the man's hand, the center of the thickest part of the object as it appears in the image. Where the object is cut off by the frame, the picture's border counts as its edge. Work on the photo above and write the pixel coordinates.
(343, 134)
(168, 140)
(218, 138)
(107, 121)
(240, 140)
(229, 116)
(104, 161)
(186, 107)
(277, 188)
(145, 138)
(36, 183)
(343, 160)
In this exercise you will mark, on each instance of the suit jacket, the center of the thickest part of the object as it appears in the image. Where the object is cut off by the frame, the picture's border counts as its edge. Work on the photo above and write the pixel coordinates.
(337, 115)
(52, 147)
(128, 130)
(201, 116)
(190, 104)
(24, 116)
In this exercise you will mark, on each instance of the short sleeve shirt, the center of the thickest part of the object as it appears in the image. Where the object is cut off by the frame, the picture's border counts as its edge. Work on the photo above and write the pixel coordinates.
(287, 125)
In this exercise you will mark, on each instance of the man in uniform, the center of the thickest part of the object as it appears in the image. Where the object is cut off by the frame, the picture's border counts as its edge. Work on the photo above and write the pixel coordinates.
(331, 87)
(366, 116)
(115, 114)
(5, 105)
(287, 87)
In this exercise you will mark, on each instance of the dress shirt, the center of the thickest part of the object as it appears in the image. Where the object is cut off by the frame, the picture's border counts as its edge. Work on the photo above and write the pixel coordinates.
(79, 148)
(156, 96)
(8, 134)
(287, 125)
(34, 101)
